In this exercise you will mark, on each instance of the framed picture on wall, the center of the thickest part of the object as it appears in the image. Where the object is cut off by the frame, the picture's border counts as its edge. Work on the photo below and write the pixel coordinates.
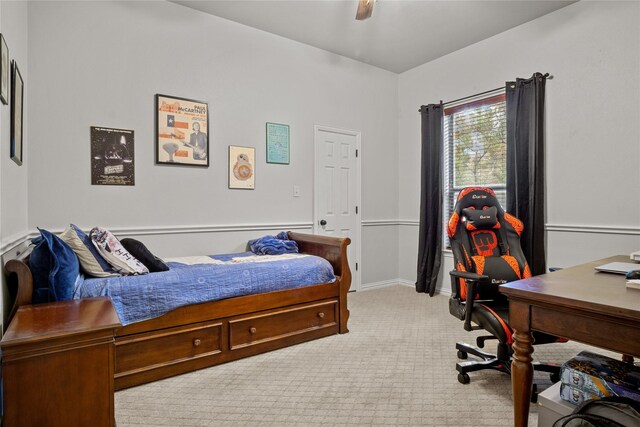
(242, 171)
(4, 71)
(277, 143)
(182, 131)
(17, 104)
(112, 156)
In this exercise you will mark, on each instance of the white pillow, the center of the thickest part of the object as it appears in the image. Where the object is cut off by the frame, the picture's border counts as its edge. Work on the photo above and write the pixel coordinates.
(114, 253)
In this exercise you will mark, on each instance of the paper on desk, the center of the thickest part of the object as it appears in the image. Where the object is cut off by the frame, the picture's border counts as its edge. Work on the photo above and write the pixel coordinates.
(634, 284)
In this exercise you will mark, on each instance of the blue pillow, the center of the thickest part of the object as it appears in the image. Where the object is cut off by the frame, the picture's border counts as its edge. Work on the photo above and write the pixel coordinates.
(55, 268)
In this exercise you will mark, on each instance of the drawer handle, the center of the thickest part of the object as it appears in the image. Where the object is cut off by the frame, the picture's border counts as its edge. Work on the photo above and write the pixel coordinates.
(321, 315)
(253, 330)
(197, 342)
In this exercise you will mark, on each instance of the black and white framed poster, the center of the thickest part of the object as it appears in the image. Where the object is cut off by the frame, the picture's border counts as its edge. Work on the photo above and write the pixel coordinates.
(112, 156)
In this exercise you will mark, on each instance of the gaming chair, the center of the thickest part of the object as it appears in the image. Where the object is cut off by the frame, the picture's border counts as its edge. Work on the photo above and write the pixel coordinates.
(485, 242)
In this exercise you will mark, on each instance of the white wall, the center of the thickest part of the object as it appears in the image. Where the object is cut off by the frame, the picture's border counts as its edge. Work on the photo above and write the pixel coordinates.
(13, 178)
(101, 63)
(593, 129)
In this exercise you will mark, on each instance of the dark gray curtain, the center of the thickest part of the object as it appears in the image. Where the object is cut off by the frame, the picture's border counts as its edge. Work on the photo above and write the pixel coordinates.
(431, 187)
(525, 164)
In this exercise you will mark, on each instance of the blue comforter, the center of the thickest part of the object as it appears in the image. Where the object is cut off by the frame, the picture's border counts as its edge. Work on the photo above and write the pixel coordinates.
(138, 298)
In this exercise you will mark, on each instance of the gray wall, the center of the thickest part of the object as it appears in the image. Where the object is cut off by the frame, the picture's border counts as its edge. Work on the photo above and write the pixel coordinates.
(101, 63)
(13, 178)
(593, 129)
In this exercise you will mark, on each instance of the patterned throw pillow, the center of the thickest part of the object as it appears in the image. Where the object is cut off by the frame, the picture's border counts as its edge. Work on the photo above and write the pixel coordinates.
(112, 250)
(91, 261)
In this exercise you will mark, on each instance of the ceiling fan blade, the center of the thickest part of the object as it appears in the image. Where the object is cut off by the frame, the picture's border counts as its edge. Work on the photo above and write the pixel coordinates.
(365, 9)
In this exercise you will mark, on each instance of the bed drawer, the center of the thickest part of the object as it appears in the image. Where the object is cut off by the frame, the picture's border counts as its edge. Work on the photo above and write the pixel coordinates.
(148, 351)
(276, 325)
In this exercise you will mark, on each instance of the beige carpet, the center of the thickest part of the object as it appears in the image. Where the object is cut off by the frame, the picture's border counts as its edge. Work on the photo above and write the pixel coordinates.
(395, 367)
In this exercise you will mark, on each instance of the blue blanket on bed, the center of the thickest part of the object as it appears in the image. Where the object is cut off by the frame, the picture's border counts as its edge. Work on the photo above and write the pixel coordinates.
(143, 297)
(270, 245)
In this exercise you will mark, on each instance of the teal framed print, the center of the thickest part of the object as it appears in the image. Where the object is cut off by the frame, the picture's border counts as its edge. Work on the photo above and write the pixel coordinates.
(278, 143)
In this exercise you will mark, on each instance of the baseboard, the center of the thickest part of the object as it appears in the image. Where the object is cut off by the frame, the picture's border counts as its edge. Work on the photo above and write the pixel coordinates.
(408, 283)
(386, 283)
(376, 285)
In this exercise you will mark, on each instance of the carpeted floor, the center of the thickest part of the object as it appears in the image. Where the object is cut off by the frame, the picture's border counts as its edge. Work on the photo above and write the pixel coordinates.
(395, 367)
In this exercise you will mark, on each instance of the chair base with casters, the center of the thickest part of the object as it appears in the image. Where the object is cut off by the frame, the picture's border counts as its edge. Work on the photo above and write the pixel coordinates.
(493, 317)
(500, 361)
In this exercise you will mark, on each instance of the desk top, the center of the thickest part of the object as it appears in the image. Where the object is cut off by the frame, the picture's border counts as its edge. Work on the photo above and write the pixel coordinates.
(581, 287)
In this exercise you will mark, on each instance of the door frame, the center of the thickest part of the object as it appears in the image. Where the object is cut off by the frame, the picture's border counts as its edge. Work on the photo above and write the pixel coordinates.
(355, 275)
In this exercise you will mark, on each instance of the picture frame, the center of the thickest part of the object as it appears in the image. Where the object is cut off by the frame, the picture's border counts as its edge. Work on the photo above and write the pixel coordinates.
(242, 167)
(278, 143)
(112, 156)
(182, 131)
(17, 108)
(4, 71)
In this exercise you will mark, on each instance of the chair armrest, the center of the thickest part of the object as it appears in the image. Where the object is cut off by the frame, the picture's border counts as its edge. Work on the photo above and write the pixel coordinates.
(472, 282)
(468, 276)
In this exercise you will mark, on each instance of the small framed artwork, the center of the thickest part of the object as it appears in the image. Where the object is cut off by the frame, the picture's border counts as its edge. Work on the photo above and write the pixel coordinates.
(242, 169)
(112, 156)
(4, 71)
(182, 131)
(277, 143)
(17, 98)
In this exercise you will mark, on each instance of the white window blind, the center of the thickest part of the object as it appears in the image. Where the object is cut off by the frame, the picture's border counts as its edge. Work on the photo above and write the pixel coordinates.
(475, 148)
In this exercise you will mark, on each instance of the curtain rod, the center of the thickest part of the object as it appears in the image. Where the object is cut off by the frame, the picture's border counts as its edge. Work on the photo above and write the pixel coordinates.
(472, 96)
(546, 75)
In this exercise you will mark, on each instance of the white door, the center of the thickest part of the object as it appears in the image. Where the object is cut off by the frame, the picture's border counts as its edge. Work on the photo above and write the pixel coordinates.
(337, 190)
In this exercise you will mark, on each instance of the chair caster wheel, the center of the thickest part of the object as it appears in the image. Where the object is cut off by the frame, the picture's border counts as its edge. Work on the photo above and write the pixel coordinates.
(464, 379)
(555, 377)
(462, 355)
(534, 393)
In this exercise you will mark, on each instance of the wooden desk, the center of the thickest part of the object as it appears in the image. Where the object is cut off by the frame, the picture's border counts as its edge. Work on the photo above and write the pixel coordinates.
(577, 303)
(58, 363)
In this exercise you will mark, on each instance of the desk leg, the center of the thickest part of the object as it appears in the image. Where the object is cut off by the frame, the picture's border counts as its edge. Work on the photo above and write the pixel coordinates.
(521, 377)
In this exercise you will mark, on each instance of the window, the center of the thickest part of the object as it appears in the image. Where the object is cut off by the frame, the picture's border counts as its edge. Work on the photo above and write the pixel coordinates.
(475, 149)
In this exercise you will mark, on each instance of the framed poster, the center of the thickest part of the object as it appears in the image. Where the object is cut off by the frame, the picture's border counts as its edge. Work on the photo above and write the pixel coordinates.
(4, 71)
(17, 106)
(112, 156)
(277, 143)
(182, 131)
(242, 169)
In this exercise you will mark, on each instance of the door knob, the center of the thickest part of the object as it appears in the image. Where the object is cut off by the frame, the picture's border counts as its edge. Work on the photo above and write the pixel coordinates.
(323, 222)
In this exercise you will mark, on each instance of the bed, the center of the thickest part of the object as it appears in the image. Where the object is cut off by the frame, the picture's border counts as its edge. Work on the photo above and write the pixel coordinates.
(205, 334)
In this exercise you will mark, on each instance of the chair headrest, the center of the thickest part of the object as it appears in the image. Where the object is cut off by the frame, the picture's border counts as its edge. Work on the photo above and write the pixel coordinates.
(483, 219)
(478, 198)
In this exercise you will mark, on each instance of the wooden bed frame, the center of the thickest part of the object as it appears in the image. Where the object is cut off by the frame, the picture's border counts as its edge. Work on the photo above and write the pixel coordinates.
(201, 335)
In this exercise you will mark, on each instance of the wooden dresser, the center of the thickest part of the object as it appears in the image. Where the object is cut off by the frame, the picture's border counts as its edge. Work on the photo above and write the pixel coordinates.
(58, 364)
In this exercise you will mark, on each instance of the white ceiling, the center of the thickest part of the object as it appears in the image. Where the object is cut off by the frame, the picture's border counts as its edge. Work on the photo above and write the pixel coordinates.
(400, 35)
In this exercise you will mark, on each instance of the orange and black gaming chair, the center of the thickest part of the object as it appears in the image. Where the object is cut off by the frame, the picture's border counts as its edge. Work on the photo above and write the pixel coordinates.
(485, 242)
